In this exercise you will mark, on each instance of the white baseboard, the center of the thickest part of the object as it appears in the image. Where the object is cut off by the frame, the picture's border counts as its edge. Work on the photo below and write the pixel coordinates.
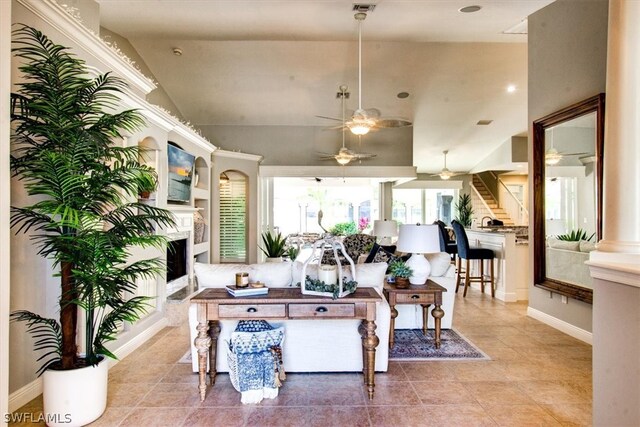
(561, 325)
(32, 390)
(25, 394)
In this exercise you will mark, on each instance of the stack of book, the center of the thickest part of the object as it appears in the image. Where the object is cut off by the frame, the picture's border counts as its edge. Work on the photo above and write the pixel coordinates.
(248, 291)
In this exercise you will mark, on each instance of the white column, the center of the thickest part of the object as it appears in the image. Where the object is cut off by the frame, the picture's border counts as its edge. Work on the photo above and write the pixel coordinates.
(5, 89)
(621, 231)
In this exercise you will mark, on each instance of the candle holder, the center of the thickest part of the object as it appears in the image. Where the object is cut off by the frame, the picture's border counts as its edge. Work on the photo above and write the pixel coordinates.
(332, 273)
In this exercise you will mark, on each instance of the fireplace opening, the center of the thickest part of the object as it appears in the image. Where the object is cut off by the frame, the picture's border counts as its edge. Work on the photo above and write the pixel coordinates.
(176, 259)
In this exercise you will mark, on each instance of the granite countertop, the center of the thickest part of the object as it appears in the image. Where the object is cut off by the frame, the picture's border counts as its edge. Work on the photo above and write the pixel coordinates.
(521, 232)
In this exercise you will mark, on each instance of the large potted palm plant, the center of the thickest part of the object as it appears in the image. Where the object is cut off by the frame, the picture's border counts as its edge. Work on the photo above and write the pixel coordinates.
(84, 216)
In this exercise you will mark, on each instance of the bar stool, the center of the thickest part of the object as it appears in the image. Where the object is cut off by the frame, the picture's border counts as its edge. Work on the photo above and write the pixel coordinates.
(446, 244)
(467, 253)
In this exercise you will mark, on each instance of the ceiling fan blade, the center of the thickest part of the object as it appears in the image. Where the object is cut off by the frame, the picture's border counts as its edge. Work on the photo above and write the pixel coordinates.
(392, 123)
(329, 118)
(363, 156)
(575, 154)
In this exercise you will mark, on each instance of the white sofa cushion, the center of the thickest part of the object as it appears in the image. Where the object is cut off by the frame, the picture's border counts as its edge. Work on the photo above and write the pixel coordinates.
(218, 275)
(272, 274)
(440, 263)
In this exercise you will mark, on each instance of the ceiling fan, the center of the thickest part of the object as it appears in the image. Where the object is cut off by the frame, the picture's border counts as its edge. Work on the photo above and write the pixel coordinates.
(446, 173)
(344, 155)
(364, 120)
(552, 156)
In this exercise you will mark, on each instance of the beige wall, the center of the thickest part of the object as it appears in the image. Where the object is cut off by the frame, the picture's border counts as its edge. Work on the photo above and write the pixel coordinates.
(302, 145)
(5, 89)
(567, 63)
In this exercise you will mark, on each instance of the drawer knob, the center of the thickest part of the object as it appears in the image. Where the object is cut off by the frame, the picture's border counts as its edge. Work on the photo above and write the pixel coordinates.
(321, 309)
(252, 310)
(415, 296)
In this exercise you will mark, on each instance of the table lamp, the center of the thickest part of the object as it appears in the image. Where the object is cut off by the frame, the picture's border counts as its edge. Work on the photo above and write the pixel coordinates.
(385, 230)
(418, 239)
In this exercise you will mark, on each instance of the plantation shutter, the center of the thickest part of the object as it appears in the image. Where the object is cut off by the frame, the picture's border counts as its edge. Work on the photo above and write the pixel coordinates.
(233, 215)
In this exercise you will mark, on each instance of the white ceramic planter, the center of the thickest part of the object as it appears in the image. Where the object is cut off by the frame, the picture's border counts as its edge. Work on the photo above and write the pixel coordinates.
(75, 397)
(276, 259)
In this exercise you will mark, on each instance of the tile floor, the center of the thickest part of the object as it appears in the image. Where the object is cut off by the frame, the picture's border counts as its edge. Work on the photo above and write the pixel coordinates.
(537, 376)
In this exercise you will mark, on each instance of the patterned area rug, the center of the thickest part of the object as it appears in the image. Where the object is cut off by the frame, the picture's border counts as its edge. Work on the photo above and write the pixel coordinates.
(410, 344)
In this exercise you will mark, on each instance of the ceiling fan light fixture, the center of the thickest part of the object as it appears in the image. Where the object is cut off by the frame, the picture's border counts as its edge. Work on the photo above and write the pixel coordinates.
(343, 160)
(445, 176)
(552, 157)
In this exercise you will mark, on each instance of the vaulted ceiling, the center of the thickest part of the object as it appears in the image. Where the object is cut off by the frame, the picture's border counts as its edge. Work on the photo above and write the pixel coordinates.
(264, 63)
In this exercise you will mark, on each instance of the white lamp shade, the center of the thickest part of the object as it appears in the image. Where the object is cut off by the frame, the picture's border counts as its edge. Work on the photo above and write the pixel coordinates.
(418, 239)
(385, 228)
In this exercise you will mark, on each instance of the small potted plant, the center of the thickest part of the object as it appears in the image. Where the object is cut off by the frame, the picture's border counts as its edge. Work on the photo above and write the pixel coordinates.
(401, 272)
(273, 246)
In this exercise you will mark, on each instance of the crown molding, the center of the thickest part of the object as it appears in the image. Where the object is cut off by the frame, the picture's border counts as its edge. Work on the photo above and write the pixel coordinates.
(237, 155)
(56, 16)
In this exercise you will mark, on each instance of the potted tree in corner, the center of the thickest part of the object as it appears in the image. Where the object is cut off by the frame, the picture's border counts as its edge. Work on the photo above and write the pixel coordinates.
(85, 217)
(464, 209)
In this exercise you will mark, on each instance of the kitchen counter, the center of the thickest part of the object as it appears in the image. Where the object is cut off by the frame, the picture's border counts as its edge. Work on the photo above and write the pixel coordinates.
(510, 245)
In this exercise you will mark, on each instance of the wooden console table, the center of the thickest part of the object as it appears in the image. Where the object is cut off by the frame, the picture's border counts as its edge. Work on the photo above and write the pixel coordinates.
(425, 295)
(279, 304)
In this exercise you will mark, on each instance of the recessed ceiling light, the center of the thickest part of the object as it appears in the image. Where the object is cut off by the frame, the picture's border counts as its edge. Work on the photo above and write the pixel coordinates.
(470, 9)
(511, 88)
(403, 95)
(484, 122)
(177, 51)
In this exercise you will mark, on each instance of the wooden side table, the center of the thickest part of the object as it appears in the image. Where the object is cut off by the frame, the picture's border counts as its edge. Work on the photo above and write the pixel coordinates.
(425, 295)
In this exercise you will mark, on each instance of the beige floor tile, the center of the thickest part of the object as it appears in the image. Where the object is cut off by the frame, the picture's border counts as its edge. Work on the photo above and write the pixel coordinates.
(442, 392)
(476, 371)
(571, 415)
(157, 417)
(113, 416)
(497, 392)
(227, 417)
(427, 371)
(556, 392)
(352, 416)
(393, 393)
(520, 415)
(278, 417)
(345, 394)
(458, 415)
(396, 416)
(126, 395)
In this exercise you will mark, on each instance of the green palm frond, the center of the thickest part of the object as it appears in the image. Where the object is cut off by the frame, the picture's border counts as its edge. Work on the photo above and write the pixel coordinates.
(576, 236)
(47, 334)
(64, 151)
(274, 245)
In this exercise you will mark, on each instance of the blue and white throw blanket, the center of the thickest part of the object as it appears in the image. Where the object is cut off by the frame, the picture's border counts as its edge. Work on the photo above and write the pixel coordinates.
(255, 360)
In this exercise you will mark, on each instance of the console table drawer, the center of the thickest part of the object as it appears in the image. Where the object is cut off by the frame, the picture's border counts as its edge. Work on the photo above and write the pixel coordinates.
(251, 310)
(416, 298)
(322, 310)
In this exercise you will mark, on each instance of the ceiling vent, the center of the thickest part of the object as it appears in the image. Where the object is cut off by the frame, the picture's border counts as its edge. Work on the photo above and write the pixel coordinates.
(484, 122)
(363, 7)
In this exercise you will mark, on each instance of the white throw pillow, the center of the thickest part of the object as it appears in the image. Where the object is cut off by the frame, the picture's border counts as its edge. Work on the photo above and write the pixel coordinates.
(272, 274)
(586, 246)
(218, 275)
(566, 245)
(440, 262)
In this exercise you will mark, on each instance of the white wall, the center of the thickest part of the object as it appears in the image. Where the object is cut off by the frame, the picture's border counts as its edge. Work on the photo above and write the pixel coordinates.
(567, 63)
(5, 89)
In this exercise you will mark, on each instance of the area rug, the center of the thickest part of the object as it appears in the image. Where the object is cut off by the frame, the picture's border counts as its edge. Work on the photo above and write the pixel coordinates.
(411, 345)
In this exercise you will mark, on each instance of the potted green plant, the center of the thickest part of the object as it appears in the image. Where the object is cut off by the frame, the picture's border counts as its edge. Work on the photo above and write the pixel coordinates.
(575, 236)
(464, 210)
(401, 272)
(273, 246)
(84, 216)
(292, 252)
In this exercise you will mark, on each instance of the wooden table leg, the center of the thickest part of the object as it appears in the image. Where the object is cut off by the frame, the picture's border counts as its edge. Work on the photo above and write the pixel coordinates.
(370, 343)
(392, 326)
(437, 313)
(362, 330)
(425, 318)
(202, 343)
(214, 333)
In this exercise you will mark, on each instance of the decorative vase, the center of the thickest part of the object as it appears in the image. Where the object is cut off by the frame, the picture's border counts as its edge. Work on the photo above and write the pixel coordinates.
(75, 397)
(402, 282)
(274, 259)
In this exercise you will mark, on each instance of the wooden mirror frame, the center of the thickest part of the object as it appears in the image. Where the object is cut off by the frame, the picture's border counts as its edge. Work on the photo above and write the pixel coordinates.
(594, 104)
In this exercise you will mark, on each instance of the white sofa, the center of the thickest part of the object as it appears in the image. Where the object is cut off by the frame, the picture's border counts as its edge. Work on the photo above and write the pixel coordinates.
(315, 345)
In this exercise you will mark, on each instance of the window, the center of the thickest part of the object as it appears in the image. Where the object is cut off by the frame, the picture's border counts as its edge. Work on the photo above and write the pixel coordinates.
(297, 203)
(417, 205)
(233, 217)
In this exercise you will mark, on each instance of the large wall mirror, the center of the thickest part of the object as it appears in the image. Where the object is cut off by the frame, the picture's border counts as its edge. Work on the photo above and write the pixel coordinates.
(567, 180)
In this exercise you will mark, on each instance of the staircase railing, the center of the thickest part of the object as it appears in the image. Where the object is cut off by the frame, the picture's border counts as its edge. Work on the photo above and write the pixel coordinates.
(512, 205)
(486, 187)
(484, 202)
